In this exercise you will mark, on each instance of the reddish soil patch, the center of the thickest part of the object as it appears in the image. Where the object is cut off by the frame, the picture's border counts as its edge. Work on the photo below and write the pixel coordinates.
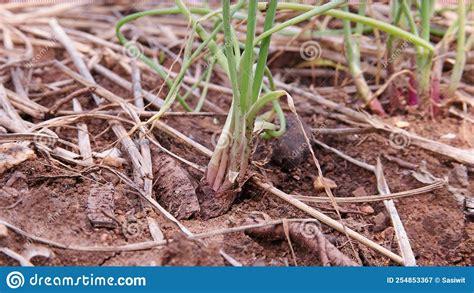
(53, 197)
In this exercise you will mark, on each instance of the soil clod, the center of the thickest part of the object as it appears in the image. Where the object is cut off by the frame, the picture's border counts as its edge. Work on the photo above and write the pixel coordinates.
(359, 192)
(291, 149)
(183, 252)
(51, 163)
(100, 205)
(173, 187)
(214, 203)
(380, 222)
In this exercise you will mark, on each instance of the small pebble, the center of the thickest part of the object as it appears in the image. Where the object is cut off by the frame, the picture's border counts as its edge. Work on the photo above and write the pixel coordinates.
(380, 222)
(402, 124)
(3, 231)
(367, 209)
(318, 183)
(104, 237)
(12, 154)
(259, 263)
(359, 192)
(388, 233)
(121, 218)
(448, 136)
(113, 161)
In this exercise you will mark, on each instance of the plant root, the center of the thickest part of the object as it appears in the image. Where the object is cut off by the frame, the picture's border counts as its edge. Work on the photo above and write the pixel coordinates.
(306, 235)
(215, 203)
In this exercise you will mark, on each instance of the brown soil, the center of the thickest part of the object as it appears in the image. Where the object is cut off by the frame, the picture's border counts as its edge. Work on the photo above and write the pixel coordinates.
(173, 187)
(54, 206)
(53, 197)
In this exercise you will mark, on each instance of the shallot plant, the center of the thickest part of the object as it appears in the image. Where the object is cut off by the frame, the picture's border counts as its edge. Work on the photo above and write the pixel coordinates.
(226, 171)
(245, 65)
(424, 86)
(227, 168)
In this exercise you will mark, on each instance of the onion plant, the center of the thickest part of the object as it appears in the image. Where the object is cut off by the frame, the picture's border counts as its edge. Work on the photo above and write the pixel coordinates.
(460, 53)
(392, 55)
(352, 55)
(424, 59)
(353, 60)
(428, 74)
(227, 169)
(441, 50)
(251, 80)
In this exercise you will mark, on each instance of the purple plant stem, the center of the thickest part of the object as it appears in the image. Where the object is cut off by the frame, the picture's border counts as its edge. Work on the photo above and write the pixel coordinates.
(412, 99)
(435, 95)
